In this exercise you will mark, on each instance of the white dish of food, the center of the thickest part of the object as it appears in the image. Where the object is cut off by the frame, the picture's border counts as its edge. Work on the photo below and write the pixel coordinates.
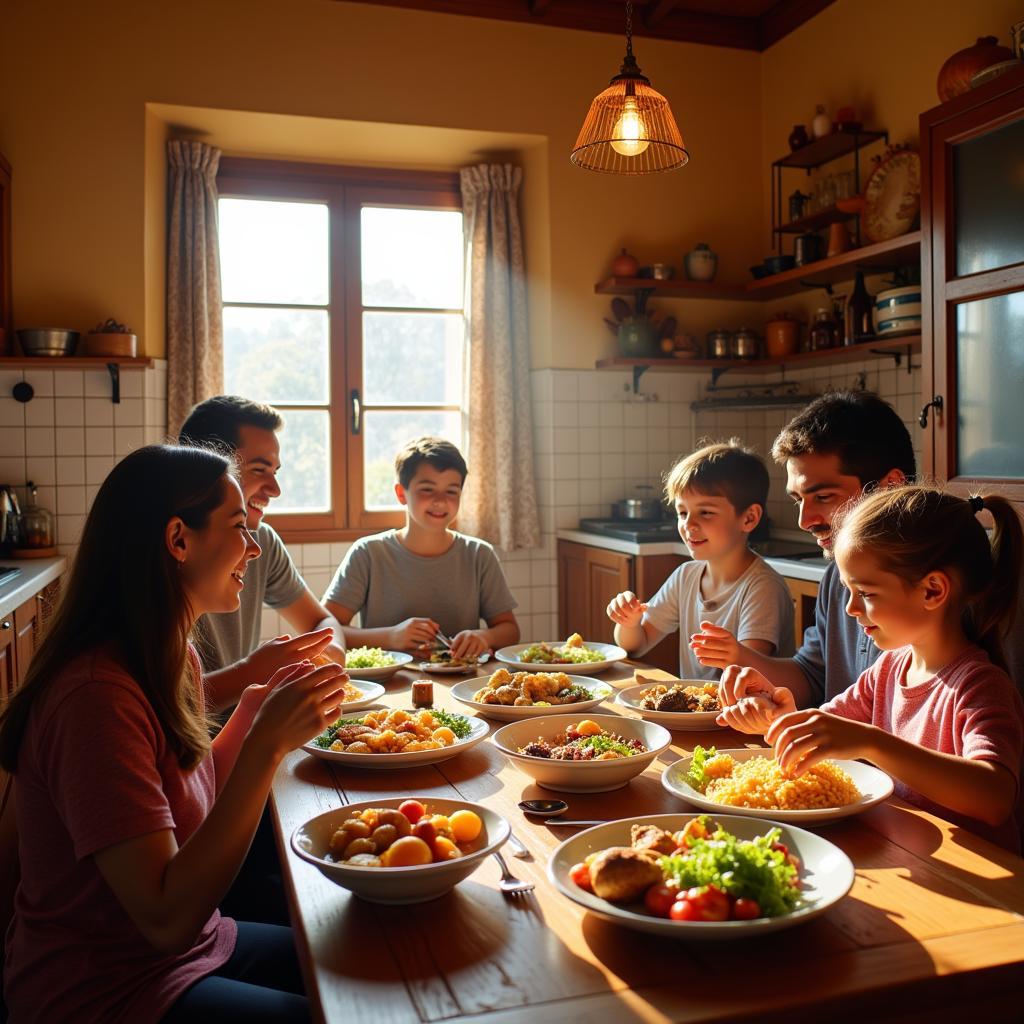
(826, 876)
(465, 691)
(371, 693)
(476, 729)
(398, 885)
(362, 656)
(582, 776)
(460, 668)
(874, 785)
(683, 721)
(609, 653)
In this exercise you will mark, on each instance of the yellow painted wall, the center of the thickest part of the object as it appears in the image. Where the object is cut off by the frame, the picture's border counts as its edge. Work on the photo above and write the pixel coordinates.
(86, 138)
(81, 140)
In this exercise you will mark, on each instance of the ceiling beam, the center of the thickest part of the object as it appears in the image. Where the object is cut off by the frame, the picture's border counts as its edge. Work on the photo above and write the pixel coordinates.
(786, 16)
(658, 11)
(538, 7)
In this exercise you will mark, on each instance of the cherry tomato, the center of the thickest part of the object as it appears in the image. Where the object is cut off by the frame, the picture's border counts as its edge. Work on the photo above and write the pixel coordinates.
(413, 810)
(659, 898)
(712, 903)
(424, 829)
(580, 874)
(745, 909)
(684, 910)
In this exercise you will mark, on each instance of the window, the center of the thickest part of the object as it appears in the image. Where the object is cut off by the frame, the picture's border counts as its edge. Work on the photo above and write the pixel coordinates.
(343, 308)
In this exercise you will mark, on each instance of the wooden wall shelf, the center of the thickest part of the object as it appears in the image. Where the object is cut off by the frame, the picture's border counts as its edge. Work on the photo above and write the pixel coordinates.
(674, 288)
(112, 364)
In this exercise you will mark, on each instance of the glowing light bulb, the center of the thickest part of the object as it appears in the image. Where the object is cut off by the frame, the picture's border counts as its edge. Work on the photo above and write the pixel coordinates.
(630, 132)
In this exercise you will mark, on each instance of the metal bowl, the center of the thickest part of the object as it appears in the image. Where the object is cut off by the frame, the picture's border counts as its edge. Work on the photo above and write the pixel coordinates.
(48, 341)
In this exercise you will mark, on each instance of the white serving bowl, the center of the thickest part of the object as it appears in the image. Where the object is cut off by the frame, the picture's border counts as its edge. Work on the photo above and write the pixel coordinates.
(512, 656)
(581, 776)
(402, 660)
(463, 693)
(416, 884)
(682, 721)
(826, 876)
(371, 693)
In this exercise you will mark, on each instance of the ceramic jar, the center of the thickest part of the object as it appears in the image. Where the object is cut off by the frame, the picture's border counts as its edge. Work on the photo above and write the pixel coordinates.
(798, 137)
(781, 336)
(638, 338)
(822, 123)
(625, 265)
(955, 74)
(701, 264)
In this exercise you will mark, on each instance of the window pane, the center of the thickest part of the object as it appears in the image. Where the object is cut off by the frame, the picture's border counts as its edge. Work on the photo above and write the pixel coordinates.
(427, 347)
(276, 355)
(412, 257)
(273, 251)
(990, 382)
(305, 462)
(989, 203)
(384, 433)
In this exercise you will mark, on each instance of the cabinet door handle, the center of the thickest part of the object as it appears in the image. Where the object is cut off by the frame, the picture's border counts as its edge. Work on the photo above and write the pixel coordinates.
(357, 411)
(936, 404)
(6, 624)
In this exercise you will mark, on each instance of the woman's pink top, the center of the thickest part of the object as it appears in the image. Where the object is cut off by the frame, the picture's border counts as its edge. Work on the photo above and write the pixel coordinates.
(970, 708)
(94, 770)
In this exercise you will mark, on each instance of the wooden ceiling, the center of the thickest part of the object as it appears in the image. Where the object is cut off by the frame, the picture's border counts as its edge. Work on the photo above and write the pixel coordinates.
(742, 24)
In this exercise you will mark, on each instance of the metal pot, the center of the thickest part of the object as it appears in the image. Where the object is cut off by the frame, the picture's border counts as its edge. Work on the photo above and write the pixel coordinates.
(719, 344)
(745, 344)
(48, 341)
(639, 508)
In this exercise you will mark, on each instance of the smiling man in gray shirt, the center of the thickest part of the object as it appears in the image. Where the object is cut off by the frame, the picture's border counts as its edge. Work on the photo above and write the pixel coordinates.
(833, 449)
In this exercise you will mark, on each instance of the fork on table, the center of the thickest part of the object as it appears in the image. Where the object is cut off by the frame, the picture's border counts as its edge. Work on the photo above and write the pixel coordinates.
(509, 884)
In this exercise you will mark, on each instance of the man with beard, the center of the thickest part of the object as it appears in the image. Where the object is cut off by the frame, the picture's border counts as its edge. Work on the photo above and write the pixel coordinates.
(835, 448)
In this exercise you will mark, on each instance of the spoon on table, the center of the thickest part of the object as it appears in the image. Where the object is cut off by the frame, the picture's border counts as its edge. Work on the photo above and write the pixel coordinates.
(553, 809)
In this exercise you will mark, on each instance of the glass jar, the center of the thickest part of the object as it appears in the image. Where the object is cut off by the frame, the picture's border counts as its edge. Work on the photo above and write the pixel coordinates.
(824, 331)
(36, 523)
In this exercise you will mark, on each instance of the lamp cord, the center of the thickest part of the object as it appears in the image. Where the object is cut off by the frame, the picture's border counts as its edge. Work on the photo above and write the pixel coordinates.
(629, 28)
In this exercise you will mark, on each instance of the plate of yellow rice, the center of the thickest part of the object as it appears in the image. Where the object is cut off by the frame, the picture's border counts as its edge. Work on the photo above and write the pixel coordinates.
(751, 782)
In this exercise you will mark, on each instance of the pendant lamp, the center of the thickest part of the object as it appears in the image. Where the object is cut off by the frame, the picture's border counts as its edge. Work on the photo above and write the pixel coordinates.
(629, 128)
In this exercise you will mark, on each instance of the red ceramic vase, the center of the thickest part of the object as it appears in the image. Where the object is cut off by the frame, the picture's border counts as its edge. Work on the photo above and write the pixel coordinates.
(955, 74)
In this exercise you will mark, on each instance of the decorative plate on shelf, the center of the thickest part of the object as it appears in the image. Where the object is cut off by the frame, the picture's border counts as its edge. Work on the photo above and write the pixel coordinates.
(892, 196)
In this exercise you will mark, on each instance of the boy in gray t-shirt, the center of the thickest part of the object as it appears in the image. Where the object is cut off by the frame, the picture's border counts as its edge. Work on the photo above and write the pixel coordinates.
(719, 494)
(407, 584)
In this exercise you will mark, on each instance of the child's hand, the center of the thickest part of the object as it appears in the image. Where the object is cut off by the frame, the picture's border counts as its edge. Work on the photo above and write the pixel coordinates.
(470, 643)
(413, 634)
(755, 714)
(803, 738)
(737, 683)
(715, 647)
(627, 609)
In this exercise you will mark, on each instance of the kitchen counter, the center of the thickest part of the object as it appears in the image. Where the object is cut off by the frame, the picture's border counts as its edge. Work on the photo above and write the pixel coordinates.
(792, 568)
(35, 574)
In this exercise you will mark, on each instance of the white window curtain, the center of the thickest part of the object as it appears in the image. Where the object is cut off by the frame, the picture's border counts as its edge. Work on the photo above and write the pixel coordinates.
(500, 500)
(195, 333)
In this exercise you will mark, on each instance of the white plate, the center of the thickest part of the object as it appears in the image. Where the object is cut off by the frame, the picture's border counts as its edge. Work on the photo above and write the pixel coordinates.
(826, 875)
(874, 785)
(463, 693)
(441, 669)
(682, 721)
(581, 776)
(372, 692)
(385, 671)
(415, 884)
(479, 730)
(612, 654)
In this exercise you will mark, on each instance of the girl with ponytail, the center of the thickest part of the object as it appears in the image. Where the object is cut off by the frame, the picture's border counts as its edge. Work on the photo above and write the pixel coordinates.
(937, 710)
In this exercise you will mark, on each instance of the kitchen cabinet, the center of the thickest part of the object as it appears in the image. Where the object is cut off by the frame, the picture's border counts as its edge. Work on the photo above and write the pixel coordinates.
(972, 279)
(20, 631)
(7, 667)
(589, 577)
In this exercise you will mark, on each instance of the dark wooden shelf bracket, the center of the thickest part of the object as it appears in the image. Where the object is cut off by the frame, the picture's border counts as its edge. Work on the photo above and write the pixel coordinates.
(824, 285)
(638, 372)
(897, 357)
(115, 382)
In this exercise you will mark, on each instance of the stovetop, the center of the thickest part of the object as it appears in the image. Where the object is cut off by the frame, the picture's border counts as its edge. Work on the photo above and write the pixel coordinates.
(640, 531)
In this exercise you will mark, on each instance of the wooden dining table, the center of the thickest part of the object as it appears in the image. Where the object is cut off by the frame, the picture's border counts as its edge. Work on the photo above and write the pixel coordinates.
(932, 929)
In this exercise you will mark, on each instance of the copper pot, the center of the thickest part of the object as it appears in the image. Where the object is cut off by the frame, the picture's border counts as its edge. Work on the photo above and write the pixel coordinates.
(781, 336)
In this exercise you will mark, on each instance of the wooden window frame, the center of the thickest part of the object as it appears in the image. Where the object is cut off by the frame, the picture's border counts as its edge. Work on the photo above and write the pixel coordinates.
(345, 190)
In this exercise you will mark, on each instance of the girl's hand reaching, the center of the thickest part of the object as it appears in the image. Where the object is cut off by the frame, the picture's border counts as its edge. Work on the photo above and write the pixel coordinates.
(755, 714)
(626, 609)
(803, 738)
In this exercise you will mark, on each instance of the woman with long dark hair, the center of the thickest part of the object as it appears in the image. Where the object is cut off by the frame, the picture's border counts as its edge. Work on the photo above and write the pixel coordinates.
(132, 822)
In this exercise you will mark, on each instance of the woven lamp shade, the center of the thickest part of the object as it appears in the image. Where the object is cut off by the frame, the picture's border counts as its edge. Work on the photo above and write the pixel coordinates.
(629, 130)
